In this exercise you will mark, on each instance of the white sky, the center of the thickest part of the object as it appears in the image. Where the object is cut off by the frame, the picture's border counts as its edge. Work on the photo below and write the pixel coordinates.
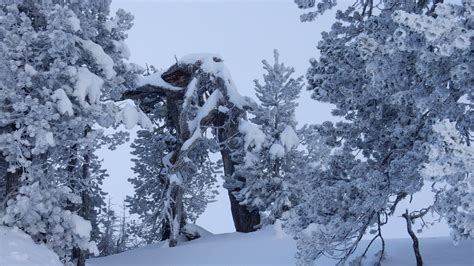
(243, 32)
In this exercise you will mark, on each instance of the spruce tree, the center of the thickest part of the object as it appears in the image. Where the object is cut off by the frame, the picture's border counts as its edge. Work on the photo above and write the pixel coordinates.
(269, 169)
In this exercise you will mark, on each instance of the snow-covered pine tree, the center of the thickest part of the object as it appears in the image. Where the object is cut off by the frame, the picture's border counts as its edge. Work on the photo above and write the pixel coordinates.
(270, 165)
(394, 73)
(123, 238)
(154, 151)
(55, 78)
(106, 243)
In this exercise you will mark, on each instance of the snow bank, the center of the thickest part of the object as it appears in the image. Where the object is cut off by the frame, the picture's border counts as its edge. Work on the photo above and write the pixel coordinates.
(270, 246)
(17, 248)
(196, 230)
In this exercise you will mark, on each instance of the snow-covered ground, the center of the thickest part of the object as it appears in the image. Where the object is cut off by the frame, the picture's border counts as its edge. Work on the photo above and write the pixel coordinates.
(270, 246)
(17, 248)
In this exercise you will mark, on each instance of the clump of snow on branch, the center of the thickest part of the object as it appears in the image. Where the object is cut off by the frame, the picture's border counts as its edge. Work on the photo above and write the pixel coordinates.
(194, 125)
(44, 140)
(289, 139)
(63, 104)
(131, 116)
(83, 229)
(254, 138)
(74, 22)
(121, 47)
(156, 80)
(277, 151)
(102, 59)
(87, 87)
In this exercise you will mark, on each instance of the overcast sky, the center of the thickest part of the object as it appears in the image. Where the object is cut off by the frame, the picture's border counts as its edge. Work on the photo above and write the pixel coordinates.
(243, 32)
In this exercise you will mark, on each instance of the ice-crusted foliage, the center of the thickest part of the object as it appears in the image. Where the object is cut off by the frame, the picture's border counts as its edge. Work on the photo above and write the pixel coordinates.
(449, 166)
(317, 8)
(58, 67)
(45, 217)
(151, 184)
(391, 76)
(270, 143)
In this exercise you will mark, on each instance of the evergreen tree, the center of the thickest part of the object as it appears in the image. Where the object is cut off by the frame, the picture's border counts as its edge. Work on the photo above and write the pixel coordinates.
(269, 169)
(106, 244)
(393, 75)
(60, 63)
(122, 239)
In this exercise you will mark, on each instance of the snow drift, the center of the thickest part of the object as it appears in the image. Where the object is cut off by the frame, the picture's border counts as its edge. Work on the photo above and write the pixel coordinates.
(270, 246)
(17, 248)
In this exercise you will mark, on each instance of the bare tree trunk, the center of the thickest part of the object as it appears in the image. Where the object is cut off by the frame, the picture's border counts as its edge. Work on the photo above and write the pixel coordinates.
(10, 181)
(416, 247)
(85, 210)
(177, 216)
(79, 256)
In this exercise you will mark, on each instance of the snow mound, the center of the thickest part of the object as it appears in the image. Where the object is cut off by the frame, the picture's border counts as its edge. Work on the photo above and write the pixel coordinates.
(270, 246)
(17, 248)
(196, 231)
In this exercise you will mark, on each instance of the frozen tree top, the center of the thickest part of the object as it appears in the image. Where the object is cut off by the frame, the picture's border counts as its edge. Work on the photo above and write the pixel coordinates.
(214, 64)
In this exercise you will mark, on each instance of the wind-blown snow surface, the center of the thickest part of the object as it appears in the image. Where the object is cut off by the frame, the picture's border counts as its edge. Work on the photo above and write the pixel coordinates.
(17, 248)
(270, 246)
